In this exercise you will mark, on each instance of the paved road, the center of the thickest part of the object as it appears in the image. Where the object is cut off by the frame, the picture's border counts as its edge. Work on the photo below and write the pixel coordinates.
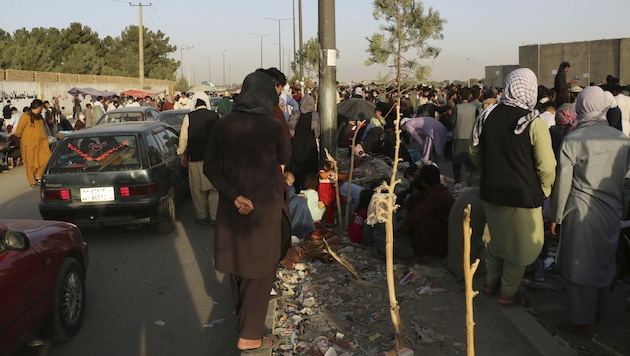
(137, 278)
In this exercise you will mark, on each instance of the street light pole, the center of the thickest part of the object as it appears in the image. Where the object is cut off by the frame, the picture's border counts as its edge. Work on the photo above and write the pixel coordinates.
(140, 45)
(261, 46)
(225, 50)
(279, 40)
(468, 84)
(209, 71)
(189, 82)
(188, 48)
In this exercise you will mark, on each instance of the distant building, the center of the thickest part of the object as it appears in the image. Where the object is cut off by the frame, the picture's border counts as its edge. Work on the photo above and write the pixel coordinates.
(591, 61)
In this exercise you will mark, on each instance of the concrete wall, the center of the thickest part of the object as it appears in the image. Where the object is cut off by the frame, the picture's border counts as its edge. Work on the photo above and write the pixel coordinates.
(23, 86)
(495, 75)
(591, 61)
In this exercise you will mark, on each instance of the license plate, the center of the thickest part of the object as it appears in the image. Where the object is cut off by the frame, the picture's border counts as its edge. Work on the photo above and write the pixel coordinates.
(97, 194)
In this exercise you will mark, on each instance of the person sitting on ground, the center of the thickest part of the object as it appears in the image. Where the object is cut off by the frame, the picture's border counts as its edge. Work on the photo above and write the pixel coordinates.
(355, 227)
(410, 173)
(315, 206)
(467, 196)
(426, 214)
(301, 221)
(376, 236)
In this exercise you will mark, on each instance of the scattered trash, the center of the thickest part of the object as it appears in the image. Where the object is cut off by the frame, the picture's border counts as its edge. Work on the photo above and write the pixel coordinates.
(159, 323)
(407, 278)
(213, 323)
(427, 335)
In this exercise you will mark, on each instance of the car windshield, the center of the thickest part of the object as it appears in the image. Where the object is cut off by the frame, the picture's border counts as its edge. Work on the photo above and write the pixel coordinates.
(96, 154)
(120, 117)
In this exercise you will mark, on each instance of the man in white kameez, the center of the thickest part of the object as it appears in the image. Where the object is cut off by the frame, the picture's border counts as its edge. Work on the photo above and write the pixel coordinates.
(589, 199)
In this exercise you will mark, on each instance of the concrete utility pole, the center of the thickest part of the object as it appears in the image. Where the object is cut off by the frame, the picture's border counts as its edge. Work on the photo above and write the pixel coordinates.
(188, 48)
(209, 71)
(261, 46)
(294, 52)
(327, 105)
(468, 82)
(301, 39)
(279, 40)
(140, 44)
(225, 50)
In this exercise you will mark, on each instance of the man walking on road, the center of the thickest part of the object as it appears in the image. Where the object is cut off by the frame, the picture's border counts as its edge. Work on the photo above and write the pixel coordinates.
(195, 134)
(252, 234)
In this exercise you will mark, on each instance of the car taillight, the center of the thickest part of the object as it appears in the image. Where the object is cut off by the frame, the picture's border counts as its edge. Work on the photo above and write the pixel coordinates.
(57, 194)
(137, 190)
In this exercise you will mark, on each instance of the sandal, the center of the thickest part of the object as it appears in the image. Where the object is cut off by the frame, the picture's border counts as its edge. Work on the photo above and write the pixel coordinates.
(268, 343)
(585, 331)
(517, 299)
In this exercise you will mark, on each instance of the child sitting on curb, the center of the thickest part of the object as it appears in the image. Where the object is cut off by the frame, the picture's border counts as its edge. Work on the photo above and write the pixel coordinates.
(315, 205)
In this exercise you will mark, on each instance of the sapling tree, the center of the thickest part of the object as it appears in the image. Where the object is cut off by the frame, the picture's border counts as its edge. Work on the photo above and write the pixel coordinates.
(406, 27)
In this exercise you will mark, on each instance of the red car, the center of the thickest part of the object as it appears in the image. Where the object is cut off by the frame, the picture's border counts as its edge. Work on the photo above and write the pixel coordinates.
(42, 281)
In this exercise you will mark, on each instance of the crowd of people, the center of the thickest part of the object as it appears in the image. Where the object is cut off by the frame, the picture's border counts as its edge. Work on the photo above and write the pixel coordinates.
(548, 159)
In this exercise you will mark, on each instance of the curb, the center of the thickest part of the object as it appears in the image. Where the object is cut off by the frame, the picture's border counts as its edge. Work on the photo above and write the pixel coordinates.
(535, 334)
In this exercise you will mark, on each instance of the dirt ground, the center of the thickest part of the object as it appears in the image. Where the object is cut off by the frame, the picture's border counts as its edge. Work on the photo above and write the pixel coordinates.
(325, 300)
(323, 310)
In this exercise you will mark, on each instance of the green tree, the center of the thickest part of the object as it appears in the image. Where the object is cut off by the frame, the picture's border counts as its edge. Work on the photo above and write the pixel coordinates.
(122, 55)
(29, 51)
(406, 27)
(309, 56)
(182, 85)
(76, 41)
(81, 58)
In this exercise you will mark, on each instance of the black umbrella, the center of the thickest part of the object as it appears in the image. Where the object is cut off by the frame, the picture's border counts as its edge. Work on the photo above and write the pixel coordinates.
(356, 109)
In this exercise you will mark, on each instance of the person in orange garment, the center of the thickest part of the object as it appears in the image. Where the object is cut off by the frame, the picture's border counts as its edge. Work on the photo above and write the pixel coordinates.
(34, 142)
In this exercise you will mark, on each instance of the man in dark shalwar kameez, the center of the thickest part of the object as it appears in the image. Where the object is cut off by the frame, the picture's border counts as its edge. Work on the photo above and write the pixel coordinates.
(243, 160)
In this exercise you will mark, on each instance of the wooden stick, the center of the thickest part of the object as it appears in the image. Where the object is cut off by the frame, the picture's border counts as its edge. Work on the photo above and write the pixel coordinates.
(337, 197)
(343, 262)
(469, 272)
(350, 171)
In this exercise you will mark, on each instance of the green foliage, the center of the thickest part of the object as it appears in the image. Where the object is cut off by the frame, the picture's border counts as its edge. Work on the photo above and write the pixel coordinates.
(78, 49)
(81, 58)
(309, 56)
(406, 27)
(182, 85)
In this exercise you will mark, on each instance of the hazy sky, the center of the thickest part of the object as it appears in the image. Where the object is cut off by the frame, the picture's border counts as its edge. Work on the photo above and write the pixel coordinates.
(487, 32)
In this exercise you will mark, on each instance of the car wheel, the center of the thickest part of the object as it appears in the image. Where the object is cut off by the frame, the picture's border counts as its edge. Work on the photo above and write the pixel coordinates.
(168, 224)
(69, 300)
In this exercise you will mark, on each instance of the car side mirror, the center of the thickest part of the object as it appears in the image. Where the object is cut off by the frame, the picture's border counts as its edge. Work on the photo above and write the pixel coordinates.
(14, 240)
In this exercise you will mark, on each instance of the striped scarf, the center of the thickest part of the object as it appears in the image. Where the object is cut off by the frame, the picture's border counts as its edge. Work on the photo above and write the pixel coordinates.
(520, 90)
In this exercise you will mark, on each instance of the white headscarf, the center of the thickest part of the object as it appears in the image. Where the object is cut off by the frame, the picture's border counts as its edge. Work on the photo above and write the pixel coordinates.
(592, 104)
(203, 96)
(520, 90)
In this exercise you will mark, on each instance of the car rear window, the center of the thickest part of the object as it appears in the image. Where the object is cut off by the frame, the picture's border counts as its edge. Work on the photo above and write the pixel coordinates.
(172, 119)
(122, 117)
(96, 154)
